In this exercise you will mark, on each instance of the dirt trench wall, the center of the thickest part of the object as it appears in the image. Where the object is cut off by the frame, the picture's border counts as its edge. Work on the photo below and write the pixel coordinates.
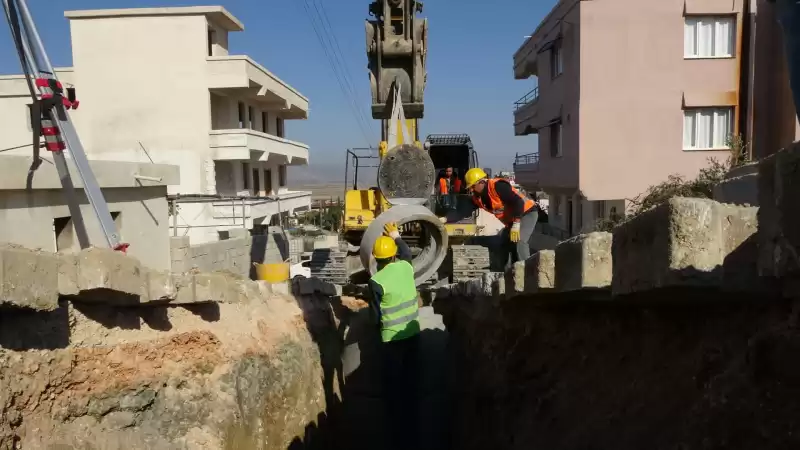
(97, 352)
(676, 331)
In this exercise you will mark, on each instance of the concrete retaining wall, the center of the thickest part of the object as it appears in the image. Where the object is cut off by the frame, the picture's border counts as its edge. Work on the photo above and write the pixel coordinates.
(236, 254)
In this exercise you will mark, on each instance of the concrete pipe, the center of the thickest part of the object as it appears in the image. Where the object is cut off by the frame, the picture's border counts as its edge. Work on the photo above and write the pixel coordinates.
(428, 261)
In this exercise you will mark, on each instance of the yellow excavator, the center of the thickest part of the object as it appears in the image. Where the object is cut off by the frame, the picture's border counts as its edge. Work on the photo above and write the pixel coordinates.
(439, 228)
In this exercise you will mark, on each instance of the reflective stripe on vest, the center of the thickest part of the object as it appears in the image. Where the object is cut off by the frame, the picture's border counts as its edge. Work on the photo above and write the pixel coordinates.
(497, 207)
(399, 305)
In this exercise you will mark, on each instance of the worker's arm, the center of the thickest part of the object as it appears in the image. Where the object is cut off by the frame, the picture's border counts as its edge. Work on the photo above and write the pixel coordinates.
(513, 203)
(403, 251)
(376, 294)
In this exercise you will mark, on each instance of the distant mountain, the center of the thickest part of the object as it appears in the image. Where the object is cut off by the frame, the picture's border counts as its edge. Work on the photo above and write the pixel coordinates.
(316, 174)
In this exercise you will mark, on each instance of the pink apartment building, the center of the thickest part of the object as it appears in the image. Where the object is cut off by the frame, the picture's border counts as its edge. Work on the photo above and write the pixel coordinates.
(631, 91)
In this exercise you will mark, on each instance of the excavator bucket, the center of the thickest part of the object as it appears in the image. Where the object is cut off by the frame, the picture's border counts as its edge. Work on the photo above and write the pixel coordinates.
(397, 44)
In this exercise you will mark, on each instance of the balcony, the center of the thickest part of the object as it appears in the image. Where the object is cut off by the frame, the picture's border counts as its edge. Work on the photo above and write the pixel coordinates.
(525, 112)
(241, 76)
(234, 210)
(526, 171)
(251, 145)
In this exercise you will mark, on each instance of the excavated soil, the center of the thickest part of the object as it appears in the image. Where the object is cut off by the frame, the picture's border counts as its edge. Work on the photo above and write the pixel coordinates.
(232, 376)
(678, 376)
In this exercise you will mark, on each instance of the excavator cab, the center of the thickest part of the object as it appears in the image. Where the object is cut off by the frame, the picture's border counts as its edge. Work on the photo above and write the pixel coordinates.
(453, 200)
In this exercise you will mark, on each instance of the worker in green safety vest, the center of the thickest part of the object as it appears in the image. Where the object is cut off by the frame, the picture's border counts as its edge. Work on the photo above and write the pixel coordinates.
(395, 300)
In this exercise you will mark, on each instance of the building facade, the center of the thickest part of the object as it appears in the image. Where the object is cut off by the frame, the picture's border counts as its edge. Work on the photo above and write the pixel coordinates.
(159, 85)
(34, 213)
(629, 92)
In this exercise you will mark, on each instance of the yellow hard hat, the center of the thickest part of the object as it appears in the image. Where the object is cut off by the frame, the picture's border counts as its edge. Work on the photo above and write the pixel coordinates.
(384, 248)
(474, 175)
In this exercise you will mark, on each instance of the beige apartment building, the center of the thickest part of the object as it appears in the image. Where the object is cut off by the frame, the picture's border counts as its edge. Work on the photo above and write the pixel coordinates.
(629, 92)
(159, 85)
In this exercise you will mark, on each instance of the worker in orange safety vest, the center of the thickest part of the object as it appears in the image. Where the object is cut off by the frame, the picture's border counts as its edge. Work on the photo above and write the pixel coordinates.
(515, 210)
(449, 187)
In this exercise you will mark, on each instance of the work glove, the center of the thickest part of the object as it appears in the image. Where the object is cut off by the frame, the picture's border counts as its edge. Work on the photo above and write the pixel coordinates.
(443, 219)
(391, 230)
(514, 232)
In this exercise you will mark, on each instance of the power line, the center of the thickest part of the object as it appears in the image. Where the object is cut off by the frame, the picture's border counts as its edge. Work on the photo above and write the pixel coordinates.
(348, 76)
(353, 106)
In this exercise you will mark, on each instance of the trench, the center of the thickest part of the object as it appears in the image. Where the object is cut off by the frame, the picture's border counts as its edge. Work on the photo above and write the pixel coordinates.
(355, 416)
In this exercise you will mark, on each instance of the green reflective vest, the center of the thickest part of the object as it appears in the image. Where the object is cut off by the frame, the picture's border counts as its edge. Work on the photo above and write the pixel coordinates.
(399, 307)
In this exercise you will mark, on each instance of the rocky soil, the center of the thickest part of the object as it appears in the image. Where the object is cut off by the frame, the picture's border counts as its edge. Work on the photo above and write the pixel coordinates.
(685, 375)
(211, 376)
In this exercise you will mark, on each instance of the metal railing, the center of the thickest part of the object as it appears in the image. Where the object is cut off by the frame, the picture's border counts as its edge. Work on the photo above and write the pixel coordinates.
(528, 98)
(528, 158)
(236, 201)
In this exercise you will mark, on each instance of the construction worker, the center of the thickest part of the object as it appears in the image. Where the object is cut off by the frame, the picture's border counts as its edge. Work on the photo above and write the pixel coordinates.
(395, 299)
(517, 212)
(449, 186)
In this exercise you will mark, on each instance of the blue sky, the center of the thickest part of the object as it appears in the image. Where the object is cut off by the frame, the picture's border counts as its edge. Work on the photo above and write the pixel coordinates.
(470, 87)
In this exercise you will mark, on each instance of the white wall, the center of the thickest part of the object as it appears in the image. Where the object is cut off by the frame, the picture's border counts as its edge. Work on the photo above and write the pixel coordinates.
(26, 218)
(141, 79)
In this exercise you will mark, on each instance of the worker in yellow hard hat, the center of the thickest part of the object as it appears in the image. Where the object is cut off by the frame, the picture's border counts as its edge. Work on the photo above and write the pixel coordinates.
(394, 297)
(515, 209)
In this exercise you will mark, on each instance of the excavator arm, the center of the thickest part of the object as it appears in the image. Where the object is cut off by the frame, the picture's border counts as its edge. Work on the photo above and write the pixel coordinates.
(397, 42)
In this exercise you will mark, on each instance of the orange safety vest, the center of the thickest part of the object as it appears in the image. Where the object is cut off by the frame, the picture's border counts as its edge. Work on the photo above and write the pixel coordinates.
(497, 207)
(443, 185)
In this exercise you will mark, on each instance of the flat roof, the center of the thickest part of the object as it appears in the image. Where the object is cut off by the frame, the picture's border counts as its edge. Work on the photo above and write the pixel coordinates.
(217, 14)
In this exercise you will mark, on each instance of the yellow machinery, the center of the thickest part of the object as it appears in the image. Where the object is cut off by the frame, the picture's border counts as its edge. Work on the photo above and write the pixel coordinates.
(396, 49)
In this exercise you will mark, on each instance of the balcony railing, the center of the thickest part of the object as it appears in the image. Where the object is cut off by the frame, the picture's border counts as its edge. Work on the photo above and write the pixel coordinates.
(528, 158)
(528, 98)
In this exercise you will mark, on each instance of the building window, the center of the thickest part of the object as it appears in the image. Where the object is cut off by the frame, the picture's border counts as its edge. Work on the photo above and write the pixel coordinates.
(251, 117)
(600, 209)
(256, 181)
(282, 175)
(707, 128)
(279, 127)
(557, 59)
(245, 176)
(555, 140)
(64, 233)
(264, 118)
(268, 181)
(241, 115)
(708, 37)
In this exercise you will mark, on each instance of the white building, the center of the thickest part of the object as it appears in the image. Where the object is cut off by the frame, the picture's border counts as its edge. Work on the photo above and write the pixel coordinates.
(158, 84)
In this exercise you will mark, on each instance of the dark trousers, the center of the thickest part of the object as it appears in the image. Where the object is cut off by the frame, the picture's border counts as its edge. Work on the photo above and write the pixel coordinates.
(788, 14)
(400, 374)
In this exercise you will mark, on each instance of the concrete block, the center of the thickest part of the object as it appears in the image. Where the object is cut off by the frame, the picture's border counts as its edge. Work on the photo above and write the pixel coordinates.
(778, 216)
(584, 262)
(184, 287)
(515, 279)
(160, 286)
(686, 242)
(283, 288)
(740, 186)
(211, 287)
(109, 276)
(540, 272)
(67, 274)
(28, 278)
